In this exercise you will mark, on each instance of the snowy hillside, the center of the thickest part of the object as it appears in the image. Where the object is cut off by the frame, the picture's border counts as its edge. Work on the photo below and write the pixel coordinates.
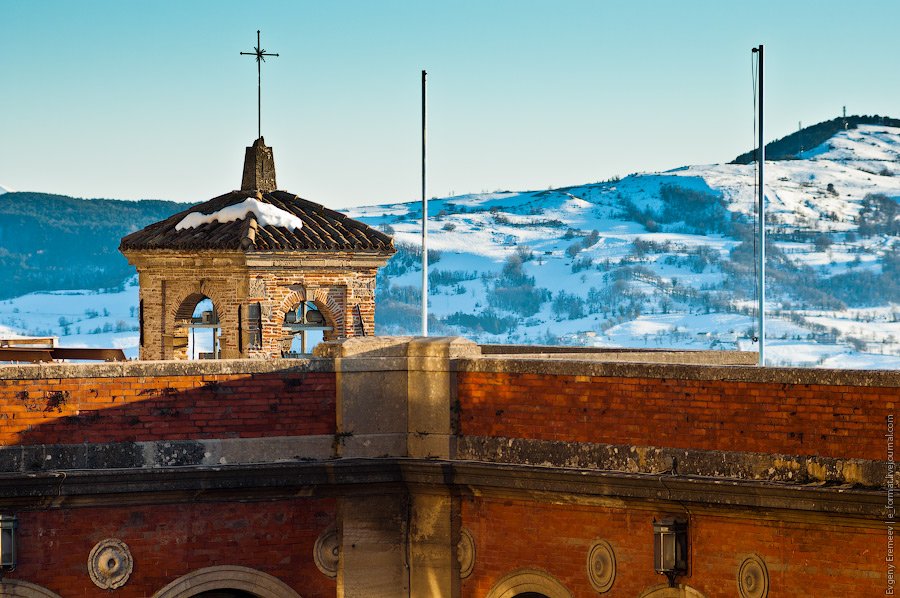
(4, 189)
(667, 259)
(652, 260)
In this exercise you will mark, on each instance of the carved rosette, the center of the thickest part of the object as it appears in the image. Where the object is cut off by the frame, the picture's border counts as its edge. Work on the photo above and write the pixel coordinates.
(257, 288)
(465, 553)
(110, 564)
(601, 566)
(327, 552)
(753, 578)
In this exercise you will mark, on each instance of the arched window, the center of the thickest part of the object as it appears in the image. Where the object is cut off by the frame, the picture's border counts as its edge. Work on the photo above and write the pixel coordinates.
(303, 328)
(197, 329)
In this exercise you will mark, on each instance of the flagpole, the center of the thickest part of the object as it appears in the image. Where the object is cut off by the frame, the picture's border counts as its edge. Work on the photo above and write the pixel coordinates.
(762, 218)
(424, 224)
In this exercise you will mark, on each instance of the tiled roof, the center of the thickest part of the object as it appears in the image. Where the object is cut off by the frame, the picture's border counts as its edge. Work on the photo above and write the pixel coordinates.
(322, 230)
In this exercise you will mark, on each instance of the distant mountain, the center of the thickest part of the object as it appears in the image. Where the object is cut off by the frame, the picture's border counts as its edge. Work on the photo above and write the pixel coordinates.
(52, 242)
(668, 259)
(4, 189)
(794, 145)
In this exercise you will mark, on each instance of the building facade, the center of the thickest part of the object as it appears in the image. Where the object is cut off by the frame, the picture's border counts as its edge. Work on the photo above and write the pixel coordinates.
(440, 468)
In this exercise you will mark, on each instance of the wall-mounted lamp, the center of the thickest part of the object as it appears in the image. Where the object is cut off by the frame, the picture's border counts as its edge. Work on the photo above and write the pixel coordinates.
(8, 525)
(670, 548)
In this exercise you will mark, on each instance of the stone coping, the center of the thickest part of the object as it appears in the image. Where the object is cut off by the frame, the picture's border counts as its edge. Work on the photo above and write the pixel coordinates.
(125, 369)
(572, 365)
(392, 353)
(497, 349)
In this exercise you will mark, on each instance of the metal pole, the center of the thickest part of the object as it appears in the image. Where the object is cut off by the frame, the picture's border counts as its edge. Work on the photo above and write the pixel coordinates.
(258, 89)
(762, 219)
(424, 224)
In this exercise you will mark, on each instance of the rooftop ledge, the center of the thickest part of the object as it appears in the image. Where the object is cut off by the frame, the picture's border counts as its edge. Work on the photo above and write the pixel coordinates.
(463, 355)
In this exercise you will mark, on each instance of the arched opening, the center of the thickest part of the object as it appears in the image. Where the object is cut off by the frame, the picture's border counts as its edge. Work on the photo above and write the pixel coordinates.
(529, 583)
(13, 588)
(197, 329)
(305, 325)
(666, 591)
(227, 581)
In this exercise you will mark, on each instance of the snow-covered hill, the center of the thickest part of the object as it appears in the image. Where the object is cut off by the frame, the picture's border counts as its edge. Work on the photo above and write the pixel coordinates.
(666, 259)
(652, 260)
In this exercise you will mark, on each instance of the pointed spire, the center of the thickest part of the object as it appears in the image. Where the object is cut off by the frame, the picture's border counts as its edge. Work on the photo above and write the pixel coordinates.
(259, 168)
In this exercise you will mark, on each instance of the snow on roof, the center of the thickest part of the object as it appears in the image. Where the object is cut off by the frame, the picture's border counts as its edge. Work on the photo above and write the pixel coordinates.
(266, 214)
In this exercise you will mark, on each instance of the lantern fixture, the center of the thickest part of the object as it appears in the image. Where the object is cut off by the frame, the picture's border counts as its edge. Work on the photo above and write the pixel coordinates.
(8, 524)
(670, 548)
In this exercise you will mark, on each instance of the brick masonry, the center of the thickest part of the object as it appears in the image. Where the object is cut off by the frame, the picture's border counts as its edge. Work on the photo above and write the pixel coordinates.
(172, 283)
(168, 541)
(165, 407)
(803, 558)
(531, 507)
(829, 420)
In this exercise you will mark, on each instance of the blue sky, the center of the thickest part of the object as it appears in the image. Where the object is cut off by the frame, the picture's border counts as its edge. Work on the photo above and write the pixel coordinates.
(152, 99)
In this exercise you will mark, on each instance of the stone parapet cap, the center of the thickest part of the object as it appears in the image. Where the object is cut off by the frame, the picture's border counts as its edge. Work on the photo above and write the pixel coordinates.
(633, 366)
(209, 367)
(446, 347)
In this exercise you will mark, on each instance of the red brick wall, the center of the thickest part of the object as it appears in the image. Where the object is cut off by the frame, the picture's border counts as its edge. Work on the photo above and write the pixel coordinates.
(835, 421)
(168, 541)
(133, 409)
(803, 559)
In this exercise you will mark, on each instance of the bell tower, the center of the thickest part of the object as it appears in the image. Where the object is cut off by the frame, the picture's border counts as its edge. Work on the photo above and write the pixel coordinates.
(272, 264)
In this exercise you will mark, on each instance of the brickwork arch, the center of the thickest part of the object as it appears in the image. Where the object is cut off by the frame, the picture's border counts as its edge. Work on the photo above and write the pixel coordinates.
(181, 300)
(327, 304)
(529, 580)
(14, 588)
(665, 591)
(184, 295)
(185, 310)
(227, 577)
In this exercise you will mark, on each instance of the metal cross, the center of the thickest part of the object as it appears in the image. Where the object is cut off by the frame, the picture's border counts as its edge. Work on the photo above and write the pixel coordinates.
(260, 58)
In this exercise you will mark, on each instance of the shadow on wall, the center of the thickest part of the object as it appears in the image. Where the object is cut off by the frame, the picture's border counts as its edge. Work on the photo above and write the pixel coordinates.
(80, 411)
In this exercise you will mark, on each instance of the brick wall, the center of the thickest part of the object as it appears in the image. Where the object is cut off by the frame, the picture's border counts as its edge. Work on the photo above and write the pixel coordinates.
(820, 419)
(75, 410)
(168, 541)
(172, 283)
(803, 559)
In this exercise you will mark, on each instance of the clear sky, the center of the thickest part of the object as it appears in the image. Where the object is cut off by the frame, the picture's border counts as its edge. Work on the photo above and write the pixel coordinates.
(138, 100)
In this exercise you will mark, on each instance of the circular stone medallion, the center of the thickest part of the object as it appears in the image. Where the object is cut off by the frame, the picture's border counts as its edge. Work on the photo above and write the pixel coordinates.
(110, 564)
(601, 566)
(753, 578)
(465, 553)
(327, 552)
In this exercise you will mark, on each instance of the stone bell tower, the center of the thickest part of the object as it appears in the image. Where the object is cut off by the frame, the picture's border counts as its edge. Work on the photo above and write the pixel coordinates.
(264, 258)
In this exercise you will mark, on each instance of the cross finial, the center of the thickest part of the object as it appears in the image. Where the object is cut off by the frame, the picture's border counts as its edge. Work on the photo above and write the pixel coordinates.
(260, 54)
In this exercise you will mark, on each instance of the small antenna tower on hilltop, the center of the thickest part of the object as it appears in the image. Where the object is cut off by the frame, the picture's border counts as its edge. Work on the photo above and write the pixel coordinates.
(845, 118)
